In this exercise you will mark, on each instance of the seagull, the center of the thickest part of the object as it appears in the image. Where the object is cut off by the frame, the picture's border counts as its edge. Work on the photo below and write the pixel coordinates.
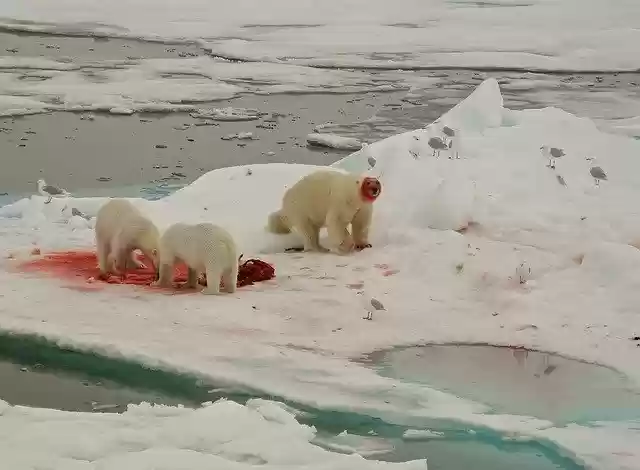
(598, 174)
(448, 131)
(449, 137)
(552, 153)
(523, 271)
(453, 148)
(437, 144)
(370, 304)
(79, 213)
(50, 191)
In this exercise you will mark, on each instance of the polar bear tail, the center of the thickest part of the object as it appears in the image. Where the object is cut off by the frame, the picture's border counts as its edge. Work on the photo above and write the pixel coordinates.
(278, 223)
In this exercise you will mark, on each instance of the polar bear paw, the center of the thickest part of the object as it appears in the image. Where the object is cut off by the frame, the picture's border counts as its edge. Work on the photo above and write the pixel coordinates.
(362, 246)
(210, 291)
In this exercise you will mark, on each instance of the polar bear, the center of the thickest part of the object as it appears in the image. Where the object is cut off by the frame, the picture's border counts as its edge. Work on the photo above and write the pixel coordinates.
(331, 199)
(120, 229)
(203, 248)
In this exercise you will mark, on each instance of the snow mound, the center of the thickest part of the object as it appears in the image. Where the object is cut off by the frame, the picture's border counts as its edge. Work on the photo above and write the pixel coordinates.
(164, 438)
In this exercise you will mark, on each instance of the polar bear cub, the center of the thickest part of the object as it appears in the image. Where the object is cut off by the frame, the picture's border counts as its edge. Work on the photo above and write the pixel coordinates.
(331, 199)
(120, 230)
(203, 248)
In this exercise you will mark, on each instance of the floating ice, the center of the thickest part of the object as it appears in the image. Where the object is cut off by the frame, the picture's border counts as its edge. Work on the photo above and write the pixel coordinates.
(334, 141)
(559, 35)
(228, 114)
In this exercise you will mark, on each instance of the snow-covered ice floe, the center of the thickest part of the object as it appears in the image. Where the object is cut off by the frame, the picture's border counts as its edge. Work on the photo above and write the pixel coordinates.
(222, 435)
(334, 141)
(30, 85)
(448, 238)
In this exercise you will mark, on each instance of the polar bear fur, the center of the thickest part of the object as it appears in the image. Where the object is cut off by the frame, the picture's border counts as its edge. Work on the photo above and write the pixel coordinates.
(330, 199)
(120, 230)
(203, 248)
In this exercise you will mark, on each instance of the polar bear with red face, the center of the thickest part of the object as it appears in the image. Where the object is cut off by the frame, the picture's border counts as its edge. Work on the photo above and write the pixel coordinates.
(331, 199)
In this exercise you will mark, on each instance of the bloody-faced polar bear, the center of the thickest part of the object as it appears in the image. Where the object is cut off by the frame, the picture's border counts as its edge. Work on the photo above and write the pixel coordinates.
(330, 199)
(120, 230)
(204, 248)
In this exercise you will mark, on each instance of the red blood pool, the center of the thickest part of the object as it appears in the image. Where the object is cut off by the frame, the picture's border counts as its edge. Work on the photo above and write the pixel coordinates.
(83, 265)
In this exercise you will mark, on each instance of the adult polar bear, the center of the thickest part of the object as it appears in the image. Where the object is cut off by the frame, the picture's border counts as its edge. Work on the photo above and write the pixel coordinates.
(120, 230)
(204, 248)
(331, 199)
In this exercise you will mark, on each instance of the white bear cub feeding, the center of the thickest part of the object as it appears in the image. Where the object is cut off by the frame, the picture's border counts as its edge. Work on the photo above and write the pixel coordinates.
(120, 230)
(204, 248)
(331, 199)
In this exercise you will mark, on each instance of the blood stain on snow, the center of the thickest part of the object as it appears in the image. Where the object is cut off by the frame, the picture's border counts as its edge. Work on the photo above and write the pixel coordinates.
(83, 266)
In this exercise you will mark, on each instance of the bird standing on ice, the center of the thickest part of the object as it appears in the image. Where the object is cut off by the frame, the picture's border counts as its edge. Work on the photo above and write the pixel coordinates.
(598, 174)
(50, 191)
(437, 144)
(552, 153)
(370, 304)
(448, 132)
(450, 140)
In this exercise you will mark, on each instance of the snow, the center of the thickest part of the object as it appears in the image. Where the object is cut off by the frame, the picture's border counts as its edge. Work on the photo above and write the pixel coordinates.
(295, 336)
(537, 34)
(334, 141)
(163, 438)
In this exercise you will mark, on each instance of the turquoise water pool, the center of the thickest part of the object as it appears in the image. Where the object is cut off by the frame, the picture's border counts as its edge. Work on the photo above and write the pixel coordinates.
(516, 381)
(91, 382)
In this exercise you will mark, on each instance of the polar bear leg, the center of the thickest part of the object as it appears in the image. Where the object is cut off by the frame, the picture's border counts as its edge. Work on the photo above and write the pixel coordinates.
(116, 259)
(192, 278)
(122, 259)
(310, 233)
(165, 273)
(339, 235)
(360, 226)
(230, 278)
(214, 273)
(165, 276)
(103, 249)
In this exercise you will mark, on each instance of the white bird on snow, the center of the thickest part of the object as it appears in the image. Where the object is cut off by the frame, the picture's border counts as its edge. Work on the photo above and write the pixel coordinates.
(453, 148)
(450, 140)
(50, 191)
(552, 153)
(370, 304)
(523, 272)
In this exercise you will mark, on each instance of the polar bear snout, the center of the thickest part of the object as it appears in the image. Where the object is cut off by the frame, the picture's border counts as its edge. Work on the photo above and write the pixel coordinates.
(370, 189)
